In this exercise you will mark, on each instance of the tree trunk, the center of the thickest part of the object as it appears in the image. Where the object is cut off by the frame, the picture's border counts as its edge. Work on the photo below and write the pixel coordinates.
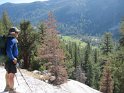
(26, 61)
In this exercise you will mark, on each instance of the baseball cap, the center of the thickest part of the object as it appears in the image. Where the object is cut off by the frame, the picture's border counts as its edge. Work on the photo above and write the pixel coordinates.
(14, 29)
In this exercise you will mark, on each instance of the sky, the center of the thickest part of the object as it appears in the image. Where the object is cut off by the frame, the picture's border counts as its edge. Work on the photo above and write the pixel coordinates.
(19, 1)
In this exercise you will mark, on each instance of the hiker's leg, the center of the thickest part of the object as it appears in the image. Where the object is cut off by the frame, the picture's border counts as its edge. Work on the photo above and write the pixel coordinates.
(7, 75)
(7, 82)
(11, 69)
(11, 80)
(7, 79)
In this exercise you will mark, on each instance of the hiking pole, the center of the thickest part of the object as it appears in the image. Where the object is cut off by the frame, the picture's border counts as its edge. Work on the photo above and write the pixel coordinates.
(17, 80)
(24, 78)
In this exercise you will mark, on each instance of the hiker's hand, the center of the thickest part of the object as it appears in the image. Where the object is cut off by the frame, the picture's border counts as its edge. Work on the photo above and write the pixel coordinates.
(15, 61)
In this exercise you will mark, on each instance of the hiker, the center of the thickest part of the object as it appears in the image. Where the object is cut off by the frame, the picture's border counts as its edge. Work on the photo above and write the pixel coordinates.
(12, 54)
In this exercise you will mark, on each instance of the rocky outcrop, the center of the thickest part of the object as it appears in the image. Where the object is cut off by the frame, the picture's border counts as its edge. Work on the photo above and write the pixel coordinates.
(38, 86)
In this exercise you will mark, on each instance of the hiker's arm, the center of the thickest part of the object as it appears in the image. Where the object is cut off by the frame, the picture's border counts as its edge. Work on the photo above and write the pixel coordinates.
(15, 53)
(16, 50)
(9, 50)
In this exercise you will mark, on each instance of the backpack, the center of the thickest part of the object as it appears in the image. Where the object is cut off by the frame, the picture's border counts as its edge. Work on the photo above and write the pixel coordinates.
(3, 40)
(3, 57)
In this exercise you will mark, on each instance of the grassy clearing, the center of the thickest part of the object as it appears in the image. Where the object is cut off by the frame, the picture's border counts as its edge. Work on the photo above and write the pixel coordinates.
(71, 39)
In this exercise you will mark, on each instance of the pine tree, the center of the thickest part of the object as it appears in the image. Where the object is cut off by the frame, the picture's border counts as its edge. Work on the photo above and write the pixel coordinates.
(121, 41)
(76, 61)
(52, 52)
(119, 64)
(118, 76)
(87, 66)
(106, 84)
(95, 56)
(75, 56)
(96, 70)
(27, 40)
(121, 56)
(42, 32)
(70, 49)
(6, 22)
(87, 57)
(68, 60)
(107, 44)
(1, 28)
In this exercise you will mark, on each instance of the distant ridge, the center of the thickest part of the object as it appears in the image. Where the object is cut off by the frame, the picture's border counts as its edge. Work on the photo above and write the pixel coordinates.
(81, 16)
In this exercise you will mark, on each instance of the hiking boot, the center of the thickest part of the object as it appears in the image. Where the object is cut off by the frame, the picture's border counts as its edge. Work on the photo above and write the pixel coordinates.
(6, 88)
(12, 91)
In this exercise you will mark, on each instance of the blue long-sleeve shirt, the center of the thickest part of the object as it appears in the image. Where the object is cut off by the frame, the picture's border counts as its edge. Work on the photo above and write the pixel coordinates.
(12, 48)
